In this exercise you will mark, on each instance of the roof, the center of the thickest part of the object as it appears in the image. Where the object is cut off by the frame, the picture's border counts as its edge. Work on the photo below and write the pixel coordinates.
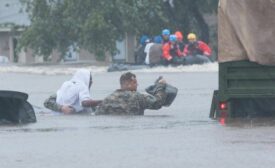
(12, 12)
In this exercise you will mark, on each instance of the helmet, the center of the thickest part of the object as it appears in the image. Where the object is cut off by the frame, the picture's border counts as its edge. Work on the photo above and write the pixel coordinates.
(173, 38)
(179, 35)
(166, 32)
(191, 36)
(143, 39)
(157, 39)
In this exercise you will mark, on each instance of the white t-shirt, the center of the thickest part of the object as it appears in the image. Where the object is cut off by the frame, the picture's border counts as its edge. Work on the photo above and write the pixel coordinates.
(74, 91)
(147, 51)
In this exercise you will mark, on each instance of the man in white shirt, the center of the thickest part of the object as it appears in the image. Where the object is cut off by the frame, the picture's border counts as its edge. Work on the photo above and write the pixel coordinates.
(73, 95)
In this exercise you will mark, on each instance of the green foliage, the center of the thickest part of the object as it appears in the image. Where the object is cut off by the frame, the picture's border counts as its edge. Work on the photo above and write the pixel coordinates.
(96, 25)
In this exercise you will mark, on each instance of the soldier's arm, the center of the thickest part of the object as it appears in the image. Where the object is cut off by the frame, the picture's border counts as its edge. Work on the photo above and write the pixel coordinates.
(156, 100)
(91, 103)
(51, 104)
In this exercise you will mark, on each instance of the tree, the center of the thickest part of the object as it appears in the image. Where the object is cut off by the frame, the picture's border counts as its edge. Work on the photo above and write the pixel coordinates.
(187, 15)
(96, 25)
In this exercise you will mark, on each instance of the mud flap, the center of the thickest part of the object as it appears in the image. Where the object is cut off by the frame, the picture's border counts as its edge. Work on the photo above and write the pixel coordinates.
(214, 105)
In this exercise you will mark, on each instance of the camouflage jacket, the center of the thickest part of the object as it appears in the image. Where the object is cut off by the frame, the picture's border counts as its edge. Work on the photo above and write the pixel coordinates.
(131, 102)
(51, 104)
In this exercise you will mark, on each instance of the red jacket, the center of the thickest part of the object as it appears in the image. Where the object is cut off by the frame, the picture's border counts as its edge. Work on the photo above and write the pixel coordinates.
(167, 51)
(198, 47)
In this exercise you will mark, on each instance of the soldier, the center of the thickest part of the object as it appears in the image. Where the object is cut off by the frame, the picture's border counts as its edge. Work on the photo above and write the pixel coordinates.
(127, 101)
(74, 95)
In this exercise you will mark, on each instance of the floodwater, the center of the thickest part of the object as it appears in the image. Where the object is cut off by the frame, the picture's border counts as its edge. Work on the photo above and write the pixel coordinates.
(179, 136)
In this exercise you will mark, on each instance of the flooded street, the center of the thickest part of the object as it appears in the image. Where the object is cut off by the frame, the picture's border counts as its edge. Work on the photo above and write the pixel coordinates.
(181, 135)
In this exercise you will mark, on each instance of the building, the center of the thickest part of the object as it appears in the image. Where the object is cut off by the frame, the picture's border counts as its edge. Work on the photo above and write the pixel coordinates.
(12, 14)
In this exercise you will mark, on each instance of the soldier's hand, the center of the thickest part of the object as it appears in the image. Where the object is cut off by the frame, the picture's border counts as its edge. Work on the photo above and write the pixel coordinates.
(95, 102)
(67, 109)
(162, 81)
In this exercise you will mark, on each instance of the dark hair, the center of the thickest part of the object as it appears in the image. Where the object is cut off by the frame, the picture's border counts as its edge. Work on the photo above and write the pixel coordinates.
(128, 76)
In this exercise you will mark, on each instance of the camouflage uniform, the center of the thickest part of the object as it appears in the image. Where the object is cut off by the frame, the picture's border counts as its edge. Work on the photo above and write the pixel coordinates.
(131, 102)
(51, 104)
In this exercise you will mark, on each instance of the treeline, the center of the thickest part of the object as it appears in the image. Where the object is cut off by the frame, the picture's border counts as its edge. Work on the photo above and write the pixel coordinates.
(96, 25)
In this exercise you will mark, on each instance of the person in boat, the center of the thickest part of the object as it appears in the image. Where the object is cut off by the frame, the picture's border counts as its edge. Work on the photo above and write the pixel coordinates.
(165, 36)
(127, 101)
(74, 95)
(139, 52)
(153, 56)
(196, 51)
(180, 41)
(171, 53)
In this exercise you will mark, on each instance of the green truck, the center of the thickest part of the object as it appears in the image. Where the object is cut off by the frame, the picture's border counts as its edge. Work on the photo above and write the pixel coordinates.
(246, 89)
(246, 60)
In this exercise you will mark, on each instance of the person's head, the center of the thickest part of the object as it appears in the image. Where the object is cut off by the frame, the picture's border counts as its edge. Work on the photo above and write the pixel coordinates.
(143, 39)
(179, 36)
(165, 34)
(158, 39)
(84, 76)
(192, 37)
(173, 38)
(128, 81)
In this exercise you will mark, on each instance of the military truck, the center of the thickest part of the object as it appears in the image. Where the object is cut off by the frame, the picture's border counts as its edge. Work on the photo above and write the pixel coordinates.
(246, 55)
